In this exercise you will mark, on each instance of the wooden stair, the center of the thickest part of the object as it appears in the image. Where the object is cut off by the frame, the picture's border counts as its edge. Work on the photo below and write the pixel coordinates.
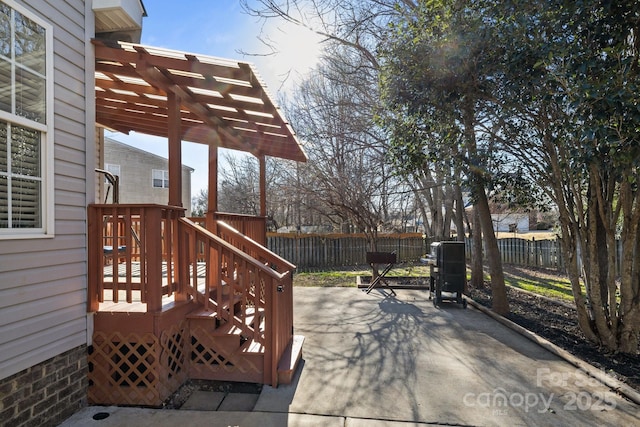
(290, 360)
(226, 349)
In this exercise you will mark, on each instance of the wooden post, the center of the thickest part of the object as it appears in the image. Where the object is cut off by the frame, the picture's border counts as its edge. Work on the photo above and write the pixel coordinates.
(212, 208)
(175, 149)
(263, 185)
(94, 260)
(180, 258)
(212, 190)
(153, 226)
(263, 199)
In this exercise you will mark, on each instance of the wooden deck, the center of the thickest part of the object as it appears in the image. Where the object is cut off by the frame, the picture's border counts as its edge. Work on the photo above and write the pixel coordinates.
(186, 303)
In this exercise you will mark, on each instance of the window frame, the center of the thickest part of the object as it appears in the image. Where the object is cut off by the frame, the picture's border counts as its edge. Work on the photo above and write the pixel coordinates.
(46, 130)
(165, 178)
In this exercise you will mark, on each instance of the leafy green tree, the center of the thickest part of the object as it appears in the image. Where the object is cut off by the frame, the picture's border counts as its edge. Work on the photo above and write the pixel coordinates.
(437, 83)
(552, 88)
(579, 118)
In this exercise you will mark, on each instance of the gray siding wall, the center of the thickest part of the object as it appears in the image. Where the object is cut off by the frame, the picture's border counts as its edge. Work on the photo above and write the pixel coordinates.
(43, 281)
(135, 181)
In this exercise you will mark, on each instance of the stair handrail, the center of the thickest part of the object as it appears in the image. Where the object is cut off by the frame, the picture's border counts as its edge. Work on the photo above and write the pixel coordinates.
(280, 334)
(237, 251)
(278, 298)
(266, 254)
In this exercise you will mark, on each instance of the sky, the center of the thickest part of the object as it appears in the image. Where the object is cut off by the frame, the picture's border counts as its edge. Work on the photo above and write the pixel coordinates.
(220, 28)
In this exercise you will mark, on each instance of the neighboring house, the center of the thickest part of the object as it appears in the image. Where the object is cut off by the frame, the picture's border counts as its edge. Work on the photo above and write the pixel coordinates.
(143, 176)
(506, 221)
(510, 221)
(63, 71)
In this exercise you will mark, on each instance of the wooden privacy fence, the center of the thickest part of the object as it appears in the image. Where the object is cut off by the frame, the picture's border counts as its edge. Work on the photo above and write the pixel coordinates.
(309, 251)
(529, 253)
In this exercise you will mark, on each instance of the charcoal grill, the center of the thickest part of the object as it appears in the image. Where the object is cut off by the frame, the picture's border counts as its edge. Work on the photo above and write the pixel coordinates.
(448, 272)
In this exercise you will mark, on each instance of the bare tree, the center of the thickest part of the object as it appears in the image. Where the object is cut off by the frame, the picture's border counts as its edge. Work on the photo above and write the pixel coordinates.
(346, 173)
(239, 190)
(352, 32)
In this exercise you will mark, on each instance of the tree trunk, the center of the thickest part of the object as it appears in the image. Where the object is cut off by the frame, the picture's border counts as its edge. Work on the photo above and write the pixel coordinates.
(569, 244)
(499, 304)
(448, 212)
(596, 250)
(477, 274)
(628, 312)
(458, 215)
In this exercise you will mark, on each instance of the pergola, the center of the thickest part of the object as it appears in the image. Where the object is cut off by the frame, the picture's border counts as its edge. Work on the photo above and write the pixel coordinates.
(188, 97)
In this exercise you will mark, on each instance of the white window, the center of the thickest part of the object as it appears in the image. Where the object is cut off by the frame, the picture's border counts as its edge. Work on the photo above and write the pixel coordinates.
(26, 124)
(160, 178)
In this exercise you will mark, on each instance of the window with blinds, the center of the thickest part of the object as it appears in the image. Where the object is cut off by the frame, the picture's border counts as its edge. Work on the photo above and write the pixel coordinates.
(23, 120)
(20, 177)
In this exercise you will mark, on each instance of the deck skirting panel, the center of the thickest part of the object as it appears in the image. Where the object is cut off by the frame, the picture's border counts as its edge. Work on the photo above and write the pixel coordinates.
(137, 368)
(141, 359)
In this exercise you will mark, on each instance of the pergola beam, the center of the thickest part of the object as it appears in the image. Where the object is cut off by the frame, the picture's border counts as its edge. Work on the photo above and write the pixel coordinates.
(220, 99)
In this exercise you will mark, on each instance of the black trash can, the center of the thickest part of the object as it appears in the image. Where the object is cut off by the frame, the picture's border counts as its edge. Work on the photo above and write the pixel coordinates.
(448, 271)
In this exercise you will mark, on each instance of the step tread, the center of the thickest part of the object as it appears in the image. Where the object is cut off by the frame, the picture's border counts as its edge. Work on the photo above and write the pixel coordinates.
(252, 346)
(228, 328)
(212, 313)
(291, 355)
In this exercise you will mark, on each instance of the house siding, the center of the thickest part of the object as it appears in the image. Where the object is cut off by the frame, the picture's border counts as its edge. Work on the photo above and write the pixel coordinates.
(43, 281)
(135, 183)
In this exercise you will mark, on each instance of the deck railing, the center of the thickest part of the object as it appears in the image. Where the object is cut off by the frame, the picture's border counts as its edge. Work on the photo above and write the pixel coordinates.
(252, 282)
(133, 253)
(254, 227)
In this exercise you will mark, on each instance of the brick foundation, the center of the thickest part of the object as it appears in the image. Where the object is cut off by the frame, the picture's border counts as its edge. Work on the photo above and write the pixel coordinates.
(45, 394)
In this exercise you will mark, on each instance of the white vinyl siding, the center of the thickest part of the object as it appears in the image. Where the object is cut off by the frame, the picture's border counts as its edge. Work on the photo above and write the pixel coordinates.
(43, 282)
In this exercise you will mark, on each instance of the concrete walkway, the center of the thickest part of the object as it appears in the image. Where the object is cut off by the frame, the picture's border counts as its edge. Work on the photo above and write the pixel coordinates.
(373, 360)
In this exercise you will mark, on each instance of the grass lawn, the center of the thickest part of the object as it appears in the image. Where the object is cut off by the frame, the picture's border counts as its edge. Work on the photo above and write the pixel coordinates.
(347, 278)
(541, 282)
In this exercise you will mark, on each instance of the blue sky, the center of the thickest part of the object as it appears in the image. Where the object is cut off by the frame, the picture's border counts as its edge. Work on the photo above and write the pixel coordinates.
(217, 28)
(220, 28)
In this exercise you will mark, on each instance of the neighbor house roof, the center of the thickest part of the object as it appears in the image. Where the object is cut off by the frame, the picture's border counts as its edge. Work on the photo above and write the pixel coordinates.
(223, 101)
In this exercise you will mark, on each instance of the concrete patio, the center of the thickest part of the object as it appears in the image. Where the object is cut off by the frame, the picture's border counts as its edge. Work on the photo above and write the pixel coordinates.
(372, 359)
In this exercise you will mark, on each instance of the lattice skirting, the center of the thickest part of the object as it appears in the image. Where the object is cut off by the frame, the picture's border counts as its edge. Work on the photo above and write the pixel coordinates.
(137, 369)
(223, 358)
(142, 369)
